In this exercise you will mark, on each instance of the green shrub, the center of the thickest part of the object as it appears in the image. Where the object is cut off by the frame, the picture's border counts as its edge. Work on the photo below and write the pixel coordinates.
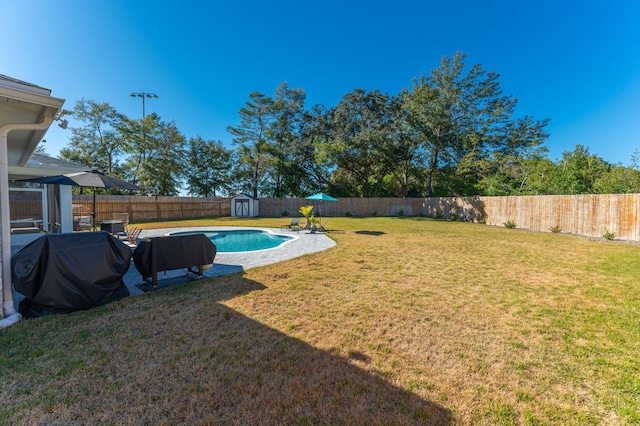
(555, 229)
(285, 213)
(510, 224)
(374, 213)
(348, 214)
(453, 217)
(609, 235)
(307, 212)
(438, 216)
(482, 221)
(401, 212)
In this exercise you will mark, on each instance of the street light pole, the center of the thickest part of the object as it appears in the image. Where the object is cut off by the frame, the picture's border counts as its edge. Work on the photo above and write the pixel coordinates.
(143, 95)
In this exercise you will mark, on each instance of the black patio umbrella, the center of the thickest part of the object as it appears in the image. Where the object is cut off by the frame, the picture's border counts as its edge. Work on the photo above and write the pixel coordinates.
(93, 179)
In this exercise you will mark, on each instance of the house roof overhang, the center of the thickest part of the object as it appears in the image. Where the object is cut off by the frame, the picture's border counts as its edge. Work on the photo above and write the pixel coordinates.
(25, 103)
(40, 165)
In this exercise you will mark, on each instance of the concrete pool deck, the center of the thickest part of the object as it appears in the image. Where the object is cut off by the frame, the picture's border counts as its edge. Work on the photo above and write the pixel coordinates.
(228, 263)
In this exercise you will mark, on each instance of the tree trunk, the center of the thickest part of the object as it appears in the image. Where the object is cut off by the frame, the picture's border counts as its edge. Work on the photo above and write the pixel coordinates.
(432, 168)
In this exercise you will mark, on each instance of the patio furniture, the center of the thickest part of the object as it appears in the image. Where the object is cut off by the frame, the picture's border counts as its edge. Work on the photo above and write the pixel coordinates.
(295, 224)
(122, 217)
(166, 253)
(131, 237)
(81, 223)
(318, 228)
(112, 226)
(24, 226)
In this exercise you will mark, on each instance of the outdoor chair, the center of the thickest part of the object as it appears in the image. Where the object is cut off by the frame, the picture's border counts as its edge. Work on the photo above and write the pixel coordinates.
(318, 228)
(24, 226)
(122, 217)
(82, 223)
(295, 224)
(132, 237)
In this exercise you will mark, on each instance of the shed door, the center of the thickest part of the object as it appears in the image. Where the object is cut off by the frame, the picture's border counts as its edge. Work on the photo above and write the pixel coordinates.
(242, 208)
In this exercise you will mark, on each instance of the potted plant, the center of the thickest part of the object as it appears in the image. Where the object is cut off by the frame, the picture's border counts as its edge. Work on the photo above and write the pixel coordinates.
(307, 212)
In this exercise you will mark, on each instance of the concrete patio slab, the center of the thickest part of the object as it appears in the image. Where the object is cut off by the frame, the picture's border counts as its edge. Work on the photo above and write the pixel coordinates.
(303, 243)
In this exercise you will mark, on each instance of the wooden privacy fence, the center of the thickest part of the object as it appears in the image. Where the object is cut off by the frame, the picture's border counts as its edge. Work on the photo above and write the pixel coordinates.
(591, 215)
(149, 209)
(23, 206)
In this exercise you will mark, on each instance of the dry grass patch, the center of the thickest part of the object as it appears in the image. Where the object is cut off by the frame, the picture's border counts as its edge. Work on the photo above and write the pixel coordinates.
(405, 321)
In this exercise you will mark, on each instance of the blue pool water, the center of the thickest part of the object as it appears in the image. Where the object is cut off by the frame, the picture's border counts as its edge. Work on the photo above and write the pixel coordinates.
(241, 240)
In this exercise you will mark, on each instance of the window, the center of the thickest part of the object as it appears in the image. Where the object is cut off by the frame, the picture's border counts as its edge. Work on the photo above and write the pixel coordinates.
(28, 203)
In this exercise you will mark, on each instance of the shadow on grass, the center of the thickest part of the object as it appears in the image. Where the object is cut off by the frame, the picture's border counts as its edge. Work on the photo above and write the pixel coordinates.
(180, 276)
(181, 356)
(374, 233)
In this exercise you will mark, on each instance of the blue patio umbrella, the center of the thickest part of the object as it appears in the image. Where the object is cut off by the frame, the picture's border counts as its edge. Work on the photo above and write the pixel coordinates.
(321, 196)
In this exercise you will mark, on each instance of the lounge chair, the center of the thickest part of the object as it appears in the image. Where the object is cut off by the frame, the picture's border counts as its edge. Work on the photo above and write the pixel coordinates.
(24, 226)
(318, 228)
(295, 224)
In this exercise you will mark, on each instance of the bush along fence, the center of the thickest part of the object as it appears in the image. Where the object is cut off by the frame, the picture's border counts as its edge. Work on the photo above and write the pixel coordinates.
(589, 215)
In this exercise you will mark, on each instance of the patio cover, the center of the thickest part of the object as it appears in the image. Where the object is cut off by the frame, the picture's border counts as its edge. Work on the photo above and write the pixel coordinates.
(26, 112)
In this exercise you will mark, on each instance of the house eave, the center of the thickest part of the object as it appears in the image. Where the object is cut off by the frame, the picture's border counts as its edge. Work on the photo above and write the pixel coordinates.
(21, 103)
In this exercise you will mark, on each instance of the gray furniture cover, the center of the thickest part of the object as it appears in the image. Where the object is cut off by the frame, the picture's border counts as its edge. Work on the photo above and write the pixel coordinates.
(61, 273)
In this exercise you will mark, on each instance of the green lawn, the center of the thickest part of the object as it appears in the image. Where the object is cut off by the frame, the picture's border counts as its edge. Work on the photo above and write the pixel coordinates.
(405, 321)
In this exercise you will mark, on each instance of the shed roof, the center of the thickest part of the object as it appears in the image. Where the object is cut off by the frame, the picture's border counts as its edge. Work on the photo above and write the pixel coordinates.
(243, 195)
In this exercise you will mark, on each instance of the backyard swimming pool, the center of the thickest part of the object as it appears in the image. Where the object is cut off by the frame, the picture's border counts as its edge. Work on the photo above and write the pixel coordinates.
(241, 240)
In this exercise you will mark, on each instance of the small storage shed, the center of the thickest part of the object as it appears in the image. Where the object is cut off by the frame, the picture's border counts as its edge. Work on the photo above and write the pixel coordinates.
(243, 205)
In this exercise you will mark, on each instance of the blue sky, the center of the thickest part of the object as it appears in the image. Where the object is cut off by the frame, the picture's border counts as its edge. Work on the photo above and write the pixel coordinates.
(575, 62)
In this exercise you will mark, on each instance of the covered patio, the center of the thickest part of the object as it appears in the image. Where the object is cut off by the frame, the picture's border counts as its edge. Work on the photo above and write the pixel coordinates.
(26, 113)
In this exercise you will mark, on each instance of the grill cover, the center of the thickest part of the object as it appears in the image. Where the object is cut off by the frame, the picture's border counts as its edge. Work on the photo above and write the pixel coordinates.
(61, 273)
(172, 252)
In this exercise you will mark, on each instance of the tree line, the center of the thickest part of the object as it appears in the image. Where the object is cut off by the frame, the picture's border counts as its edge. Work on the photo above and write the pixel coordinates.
(451, 133)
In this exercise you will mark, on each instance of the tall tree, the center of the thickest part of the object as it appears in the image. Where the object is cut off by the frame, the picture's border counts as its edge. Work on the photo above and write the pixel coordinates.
(250, 139)
(577, 172)
(285, 140)
(209, 166)
(157, 155)
(363, 123)
(463, 118)
(41, 149)
(100, 142)
(165, 169)
(314, 150)
(525, 173)
(142, 144)
(402, 152)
